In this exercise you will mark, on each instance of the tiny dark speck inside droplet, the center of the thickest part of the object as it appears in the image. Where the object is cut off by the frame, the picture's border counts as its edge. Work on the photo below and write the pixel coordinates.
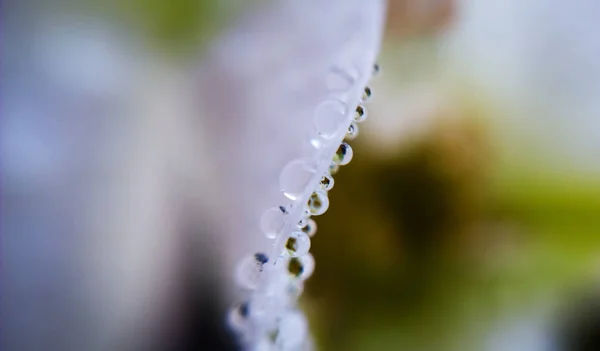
(261, 258)
(283, 209)
(244, 309)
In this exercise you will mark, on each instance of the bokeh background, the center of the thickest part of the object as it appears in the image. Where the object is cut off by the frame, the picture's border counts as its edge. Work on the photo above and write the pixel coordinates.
(469, 218)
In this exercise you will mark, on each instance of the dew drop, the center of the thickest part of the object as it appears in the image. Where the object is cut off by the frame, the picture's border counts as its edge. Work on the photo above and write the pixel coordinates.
(310, 228)
(297, 244)
(272, 222)
(295, 177)
(366, 95)
(360, 114)
(301, 267)
(249, 271)
(238, 316)
(318, 203)
(330, 118)
(352, 131)
(302, 222)
(326, 182)
(343, 155)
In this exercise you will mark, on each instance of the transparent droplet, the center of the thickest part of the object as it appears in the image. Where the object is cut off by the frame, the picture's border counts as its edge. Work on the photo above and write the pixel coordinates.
(306, 213)
(310, 228)
(360, 115)
(293, 329)
(333, 168)
(249, 271)
(238, 316)
(297, 244)
(343, 155)
(272, 221)
(301, 267)
(295, 177)
(352, 131)
(376, 69)
(318, 203)
(330, 118)
(366, 95)
(326, 182)
(302, 222)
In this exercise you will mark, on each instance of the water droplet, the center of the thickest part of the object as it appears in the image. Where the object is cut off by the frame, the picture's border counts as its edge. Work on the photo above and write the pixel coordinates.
(272, 222)
(238, 316)
(326, 182)
(366, 96)
(333, 168)
(301, 267)
(330, 118)
(302, 222)
(360, 114)
(306, 214)
(295, 177)
(352, 131)
(297, 244)
(310, 228)
(343, 155)
(318, 203)
(249, 271)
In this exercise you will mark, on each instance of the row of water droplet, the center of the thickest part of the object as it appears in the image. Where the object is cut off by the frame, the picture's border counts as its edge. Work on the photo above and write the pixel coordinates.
(268, 318)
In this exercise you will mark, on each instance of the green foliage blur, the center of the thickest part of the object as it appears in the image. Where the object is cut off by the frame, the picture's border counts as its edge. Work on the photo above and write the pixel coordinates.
(428, 249)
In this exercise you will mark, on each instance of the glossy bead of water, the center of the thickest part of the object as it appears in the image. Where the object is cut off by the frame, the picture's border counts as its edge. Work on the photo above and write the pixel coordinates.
(310, 228)
(352, 131)
(238, 316)
(302, 222)
(360, 115)
(330, 118)
(249, 271)
(295, 177)
(343, 155)
(272, 221)
(326, 182)
(297, 244)
(366, 95)
(301, 267)
(318, 203)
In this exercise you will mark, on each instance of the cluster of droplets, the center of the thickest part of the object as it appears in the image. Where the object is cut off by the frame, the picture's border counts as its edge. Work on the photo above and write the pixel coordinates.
(268, 317)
